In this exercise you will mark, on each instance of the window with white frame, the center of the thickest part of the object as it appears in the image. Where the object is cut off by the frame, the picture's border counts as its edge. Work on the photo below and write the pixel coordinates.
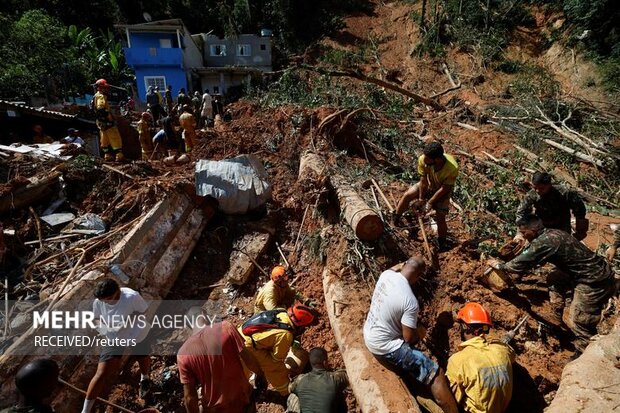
(155, 81)
(165, 43)
(217, 50)
(244, 50)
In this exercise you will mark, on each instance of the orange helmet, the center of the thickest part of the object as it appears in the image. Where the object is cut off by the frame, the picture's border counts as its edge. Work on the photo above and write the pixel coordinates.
(146, 115)
(101, 82)
(278, 273)
(301, 315)
(474, 313)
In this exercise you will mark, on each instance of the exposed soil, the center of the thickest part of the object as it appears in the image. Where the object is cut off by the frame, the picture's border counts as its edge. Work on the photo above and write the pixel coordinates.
(278, 137)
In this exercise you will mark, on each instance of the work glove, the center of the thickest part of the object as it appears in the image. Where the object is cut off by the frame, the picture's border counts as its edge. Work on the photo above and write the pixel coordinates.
(290, 273)
(494, 263)
(610, 253)
(519, 237)
(260, 383)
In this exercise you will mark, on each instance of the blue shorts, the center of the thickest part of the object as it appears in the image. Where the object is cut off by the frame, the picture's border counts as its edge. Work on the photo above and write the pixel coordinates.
(407, 360)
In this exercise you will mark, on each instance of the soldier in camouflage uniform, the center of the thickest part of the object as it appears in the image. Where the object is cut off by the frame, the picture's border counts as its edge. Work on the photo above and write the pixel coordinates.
(590, 273)
(36, 382)
(553, 205)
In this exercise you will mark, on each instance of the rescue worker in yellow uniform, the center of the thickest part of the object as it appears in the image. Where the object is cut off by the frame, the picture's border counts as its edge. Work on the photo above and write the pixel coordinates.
(110, 138)
(276, 293)
(480, 374)
(144, 135)
(271, 346)
(188, 124)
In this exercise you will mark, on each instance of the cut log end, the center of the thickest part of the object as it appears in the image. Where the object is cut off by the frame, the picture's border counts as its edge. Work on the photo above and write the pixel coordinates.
(368, 226)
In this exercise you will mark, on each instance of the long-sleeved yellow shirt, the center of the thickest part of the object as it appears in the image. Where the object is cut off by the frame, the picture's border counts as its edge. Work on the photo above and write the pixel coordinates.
(271, 297)
(480, 375)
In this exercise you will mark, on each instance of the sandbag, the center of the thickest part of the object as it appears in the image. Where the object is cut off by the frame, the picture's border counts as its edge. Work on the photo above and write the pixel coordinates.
(240, 184)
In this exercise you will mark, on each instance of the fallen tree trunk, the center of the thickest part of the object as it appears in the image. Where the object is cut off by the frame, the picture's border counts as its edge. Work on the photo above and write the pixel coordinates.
(31, 194)
(151, 255)
(590, 384)
(360, 76)
(365, 222)
(376, 389)
(311, 168)
(249, 248)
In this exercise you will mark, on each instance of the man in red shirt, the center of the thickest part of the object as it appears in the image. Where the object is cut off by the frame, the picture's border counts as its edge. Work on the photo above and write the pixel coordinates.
(212, 358)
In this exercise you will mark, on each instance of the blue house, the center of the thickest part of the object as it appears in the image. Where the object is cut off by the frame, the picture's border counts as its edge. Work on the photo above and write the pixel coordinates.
(162, 53)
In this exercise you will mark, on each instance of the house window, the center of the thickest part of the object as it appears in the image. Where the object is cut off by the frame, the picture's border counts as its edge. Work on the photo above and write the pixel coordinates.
(218, 50)
(152, 51)
(165, 43)
(155, 81)
(263, 47)
(216, 89)
(244, 50)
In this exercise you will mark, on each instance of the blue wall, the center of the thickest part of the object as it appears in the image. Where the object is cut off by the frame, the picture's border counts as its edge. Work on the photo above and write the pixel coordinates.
(174, 77)
(139, 39)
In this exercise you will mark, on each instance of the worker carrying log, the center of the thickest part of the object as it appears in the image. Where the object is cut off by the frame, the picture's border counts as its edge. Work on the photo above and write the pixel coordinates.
(391, 331)
(276, 293)
(36, 382)
(115, 303)
(188, 124)
(212, 358)
(480, 373)
(438, 172)
(590, 273)
(110, 138)
(320, 390)
(269, 336)
(553, 204)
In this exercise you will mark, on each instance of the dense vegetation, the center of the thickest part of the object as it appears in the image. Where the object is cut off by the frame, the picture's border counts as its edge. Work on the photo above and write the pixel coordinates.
(53, 48)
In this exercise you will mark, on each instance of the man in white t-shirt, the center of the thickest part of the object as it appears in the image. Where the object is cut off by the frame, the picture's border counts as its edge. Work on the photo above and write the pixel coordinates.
(391, 330)
(120, 314)
(206, 109)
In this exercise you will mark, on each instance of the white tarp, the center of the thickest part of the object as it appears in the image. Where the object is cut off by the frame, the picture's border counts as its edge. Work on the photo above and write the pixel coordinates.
(240, 184)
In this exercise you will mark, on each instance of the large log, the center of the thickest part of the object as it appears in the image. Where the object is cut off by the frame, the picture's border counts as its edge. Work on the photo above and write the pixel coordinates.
(151, 254)
(248, 248)
(590, 384)
(365, 222)
(376, 389)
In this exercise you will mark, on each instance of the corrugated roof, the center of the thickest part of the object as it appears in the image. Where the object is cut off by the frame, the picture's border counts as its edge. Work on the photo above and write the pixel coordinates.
(35, 111)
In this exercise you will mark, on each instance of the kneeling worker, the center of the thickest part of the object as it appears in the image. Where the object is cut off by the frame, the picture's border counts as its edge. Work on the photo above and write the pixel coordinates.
(480, 374)
(276, 293)
(319, 391)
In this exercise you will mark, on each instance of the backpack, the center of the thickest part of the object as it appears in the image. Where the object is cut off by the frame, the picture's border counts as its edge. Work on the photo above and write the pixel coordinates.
(267, 320)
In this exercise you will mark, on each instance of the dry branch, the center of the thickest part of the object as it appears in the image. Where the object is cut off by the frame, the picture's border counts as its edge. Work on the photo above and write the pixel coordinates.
(579, 155)
(360, 76)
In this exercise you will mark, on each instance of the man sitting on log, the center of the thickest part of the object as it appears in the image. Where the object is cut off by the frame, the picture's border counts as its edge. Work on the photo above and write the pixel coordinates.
(113, 303)
(391, 331)
(276, 293)
(36, 382)
(480, 374)
(589, 272)
(438, 172)
(319, 391)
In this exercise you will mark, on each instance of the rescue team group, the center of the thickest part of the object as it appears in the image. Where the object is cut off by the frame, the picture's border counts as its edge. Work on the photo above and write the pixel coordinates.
(230, 366)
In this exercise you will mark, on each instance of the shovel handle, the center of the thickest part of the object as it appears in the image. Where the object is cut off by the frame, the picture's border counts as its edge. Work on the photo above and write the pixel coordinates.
(109, 403)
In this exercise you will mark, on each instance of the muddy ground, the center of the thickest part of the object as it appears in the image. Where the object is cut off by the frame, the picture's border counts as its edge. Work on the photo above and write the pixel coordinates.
(278, 136)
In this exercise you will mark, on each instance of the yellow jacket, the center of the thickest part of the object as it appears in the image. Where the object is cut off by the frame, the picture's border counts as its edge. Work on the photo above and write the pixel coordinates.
(270, 348)
(480, 375)
(271, 297)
